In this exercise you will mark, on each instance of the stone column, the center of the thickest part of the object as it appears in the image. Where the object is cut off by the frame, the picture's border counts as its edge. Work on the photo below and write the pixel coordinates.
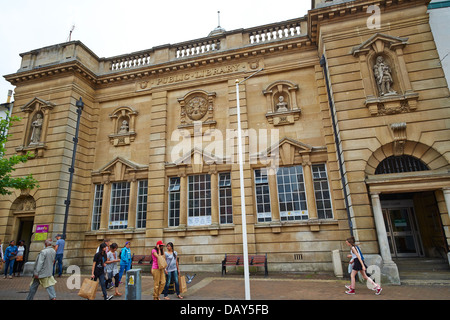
(214, 198)
(389, 270)
(381, 228)
(446, 192)
(183, 200)
(132, 207)
(274, 205)
(309, 189)
(105, 206)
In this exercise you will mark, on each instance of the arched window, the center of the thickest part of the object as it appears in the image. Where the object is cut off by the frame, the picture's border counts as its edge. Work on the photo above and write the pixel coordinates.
(399, 164)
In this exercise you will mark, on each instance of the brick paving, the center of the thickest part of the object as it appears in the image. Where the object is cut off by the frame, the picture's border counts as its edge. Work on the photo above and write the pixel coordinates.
(211, 286)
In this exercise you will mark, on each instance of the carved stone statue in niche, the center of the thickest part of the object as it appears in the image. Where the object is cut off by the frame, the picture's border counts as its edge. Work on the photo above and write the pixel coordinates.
(36, 130)
(383, 77)
(282, 105)
(196, 108)
(124, 127)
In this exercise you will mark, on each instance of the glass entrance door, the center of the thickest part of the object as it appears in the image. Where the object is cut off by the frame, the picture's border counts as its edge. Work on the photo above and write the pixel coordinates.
(402, 231)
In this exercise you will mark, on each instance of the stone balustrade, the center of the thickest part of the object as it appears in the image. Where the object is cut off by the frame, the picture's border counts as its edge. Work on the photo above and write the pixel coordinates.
(223, 41)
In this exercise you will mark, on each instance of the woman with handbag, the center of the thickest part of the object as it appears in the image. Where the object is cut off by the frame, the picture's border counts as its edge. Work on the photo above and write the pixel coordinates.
(20, 258)
(111, 268)
(158, 266)
(98, 269)
(172, 271)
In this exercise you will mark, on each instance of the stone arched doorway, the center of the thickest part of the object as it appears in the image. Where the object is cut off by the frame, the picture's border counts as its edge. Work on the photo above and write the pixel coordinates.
(408, 201)
(22, 220)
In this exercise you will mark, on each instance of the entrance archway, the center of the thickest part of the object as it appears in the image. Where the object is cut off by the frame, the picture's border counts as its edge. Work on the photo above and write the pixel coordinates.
(23, 212)
(413, 225)
(409, 204)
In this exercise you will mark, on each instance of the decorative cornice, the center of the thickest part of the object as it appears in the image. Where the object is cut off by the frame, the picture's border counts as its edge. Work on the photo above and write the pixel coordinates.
(351, 10)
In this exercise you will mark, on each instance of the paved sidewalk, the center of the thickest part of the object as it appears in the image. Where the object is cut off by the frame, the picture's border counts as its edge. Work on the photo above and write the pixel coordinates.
(211, 286)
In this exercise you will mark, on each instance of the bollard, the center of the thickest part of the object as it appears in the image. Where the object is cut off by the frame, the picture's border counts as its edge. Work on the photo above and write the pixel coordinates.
(133, 285)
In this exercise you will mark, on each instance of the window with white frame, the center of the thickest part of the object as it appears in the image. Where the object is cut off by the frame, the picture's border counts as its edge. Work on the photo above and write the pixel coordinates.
(322, 191)
(141, 214)
(97, 207)
(118, 210)
(199, 200)
(263, 211)
(174, 202)
(225, 201)
(291, 194)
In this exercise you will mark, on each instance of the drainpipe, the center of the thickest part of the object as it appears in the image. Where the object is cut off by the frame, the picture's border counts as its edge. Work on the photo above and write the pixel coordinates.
(323, 64)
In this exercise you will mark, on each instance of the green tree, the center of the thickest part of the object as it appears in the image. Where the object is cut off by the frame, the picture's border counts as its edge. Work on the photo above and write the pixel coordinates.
(8, 182)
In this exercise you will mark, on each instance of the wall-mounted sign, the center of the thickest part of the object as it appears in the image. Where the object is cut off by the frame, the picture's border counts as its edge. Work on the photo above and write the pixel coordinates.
(41, 232)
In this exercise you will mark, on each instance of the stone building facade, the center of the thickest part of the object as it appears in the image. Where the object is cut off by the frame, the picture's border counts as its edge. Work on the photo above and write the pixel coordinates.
(346, 132)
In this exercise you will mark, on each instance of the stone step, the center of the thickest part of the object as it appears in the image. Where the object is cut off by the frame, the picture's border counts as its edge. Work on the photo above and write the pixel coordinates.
(416, 271)
(422, 264)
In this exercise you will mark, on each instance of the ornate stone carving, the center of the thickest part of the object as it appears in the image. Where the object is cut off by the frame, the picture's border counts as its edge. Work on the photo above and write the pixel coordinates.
(124, 119)
(197, 106)
(281, 102)
(399, 133)
(37, 114)
(36, 127)
(385, 77)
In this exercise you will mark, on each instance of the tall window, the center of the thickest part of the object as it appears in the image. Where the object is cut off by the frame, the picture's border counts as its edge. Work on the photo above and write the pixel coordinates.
(118, 212)
(322, 192)
(141, 214)
(97, 208)
(225, 202)
(199, 200)
(263, 212)
(291, 194)
(174, 202)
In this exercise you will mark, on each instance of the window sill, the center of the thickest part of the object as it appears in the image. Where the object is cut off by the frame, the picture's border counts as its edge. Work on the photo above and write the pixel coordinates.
(314, 224)
(213, 229)
(103, 233)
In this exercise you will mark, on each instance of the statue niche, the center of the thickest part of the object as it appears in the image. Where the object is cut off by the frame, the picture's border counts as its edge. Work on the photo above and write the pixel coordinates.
(281, 100)
(36, 118)
(124, 119)
(385, 78)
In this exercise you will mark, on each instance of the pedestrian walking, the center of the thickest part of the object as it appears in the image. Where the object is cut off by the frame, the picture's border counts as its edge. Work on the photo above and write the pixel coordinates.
(42, 273)
(111, 268)
(172, 271)
(20, 258)
(107, 280)
(10, 257)
(158, 274)
(107, 242)
(358, 266)
(125, 259)
(98, 269)
(59, 248)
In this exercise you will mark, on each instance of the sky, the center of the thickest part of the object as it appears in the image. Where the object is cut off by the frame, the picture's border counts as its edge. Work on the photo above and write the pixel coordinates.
(115, 27)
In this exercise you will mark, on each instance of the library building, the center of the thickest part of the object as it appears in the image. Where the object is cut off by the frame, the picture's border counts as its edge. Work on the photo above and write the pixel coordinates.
(345, 131)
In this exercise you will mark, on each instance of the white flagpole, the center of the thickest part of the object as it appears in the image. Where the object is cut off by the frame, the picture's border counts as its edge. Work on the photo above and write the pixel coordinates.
(241, 178)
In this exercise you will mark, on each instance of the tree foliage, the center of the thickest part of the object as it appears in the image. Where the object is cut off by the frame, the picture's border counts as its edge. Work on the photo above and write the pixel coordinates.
(7, 182)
